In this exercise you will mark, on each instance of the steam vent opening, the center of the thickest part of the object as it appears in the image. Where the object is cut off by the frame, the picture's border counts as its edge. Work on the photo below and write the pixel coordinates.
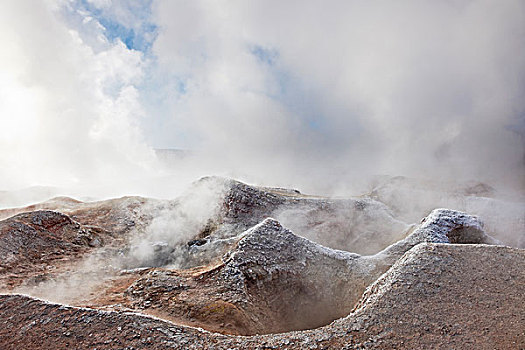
(465, 235)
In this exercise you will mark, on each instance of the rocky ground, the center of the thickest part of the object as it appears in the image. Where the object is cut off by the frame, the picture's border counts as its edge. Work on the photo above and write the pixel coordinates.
(205, 268)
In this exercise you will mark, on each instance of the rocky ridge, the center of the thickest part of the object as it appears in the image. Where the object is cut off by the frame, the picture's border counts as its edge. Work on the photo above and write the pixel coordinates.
(427, 285)
(437, 296)
(275, 281)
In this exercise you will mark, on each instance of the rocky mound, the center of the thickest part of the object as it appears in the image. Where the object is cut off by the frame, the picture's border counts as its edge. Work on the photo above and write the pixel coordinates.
(119, 215)
(52, 253)
(275, 281)
(359, 225)
(42, 241)
(200, 226)
(445, 296)
(437, 296)
(248, 274)
(35, 244)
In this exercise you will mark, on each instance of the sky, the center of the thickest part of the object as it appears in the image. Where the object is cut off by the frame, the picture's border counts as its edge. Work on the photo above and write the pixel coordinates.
(316, 94)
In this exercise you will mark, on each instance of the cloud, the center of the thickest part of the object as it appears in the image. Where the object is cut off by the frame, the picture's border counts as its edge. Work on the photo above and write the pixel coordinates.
(128, 21)
(329, 90)
(304, 94)
(69, 110)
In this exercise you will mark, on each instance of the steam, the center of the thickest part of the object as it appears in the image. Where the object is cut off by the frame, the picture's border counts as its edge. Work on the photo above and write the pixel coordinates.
(317, 96)
(69, 106)
(164, 239)
(344, 90)
(412, 199)
(80, 284)
(359, 226)
(162, 243)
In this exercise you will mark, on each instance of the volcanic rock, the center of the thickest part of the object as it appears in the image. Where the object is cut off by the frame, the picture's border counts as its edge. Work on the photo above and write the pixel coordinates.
(119, 215)
(432, 285)
(35, 243)
(437, 296)
(40, 244)
(360, 225)
(275, 281)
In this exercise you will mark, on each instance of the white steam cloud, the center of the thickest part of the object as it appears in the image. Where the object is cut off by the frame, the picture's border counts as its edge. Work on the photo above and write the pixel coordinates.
(314, 95)
(164, 239)
(340, 89)
(69, 107)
